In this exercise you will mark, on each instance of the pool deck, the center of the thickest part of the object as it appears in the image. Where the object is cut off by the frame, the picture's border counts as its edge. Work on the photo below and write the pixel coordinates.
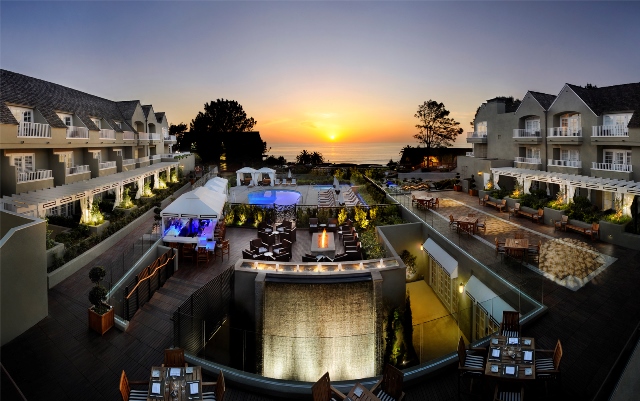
(309, 193)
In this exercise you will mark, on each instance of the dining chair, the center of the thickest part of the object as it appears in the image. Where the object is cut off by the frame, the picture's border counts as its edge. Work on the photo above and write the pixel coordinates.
(174, 358)
(539, 218)
(389, 387)
(435, 204)
(519, 235)
(453, 224)
(218, 393)
(222, 249)
(510, 326)
(322, 390)
(128, 393)
(500, 249)
(482, 224)
(471, 363)
(534, 251)
(549, 368)
(562, 224)
(203, 256)
(508, 392)
(594, 231)
(188, 251)
(332, 224)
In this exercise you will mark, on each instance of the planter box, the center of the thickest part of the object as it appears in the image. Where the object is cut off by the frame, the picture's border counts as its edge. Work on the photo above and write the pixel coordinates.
(126, 211)
(552, 215)
(98, 230)
(57, 250)
(457, 187)
(511, 203)
(147, 199)
(101, 323)
(473, 192)
(615, 234)
(482, 193)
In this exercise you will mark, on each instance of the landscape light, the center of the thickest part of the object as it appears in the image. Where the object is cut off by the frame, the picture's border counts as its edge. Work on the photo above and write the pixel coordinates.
(461, 288)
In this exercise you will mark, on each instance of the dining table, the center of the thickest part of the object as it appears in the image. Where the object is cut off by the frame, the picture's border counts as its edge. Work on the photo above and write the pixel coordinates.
(361, 393)
(517, 246)
(465, 222)
(511, 358)
(175, 383)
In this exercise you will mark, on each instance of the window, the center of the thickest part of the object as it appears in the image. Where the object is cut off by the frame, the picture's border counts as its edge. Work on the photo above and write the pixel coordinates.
(23, 162)
(67, 121)
(96, 122)
(440, 281)
(22, 114)
(533, 153)
(621, 120)
(97, 154)
(118, 152)
(532, 125)
(66, 158)
(615, 156)
(571, 122)
(481, 127)
(569, 154)
(118, 124)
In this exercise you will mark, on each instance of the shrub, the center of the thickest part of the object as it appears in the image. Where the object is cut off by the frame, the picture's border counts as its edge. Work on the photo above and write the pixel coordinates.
(499, 193)
(371, 248)
(98, 293)
(616, 218)
(410, 261)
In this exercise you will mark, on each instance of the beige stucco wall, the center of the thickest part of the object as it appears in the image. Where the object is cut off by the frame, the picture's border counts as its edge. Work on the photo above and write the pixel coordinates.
(23, 274)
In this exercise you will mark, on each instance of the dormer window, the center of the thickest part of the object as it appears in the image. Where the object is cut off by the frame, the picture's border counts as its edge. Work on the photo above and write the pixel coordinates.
(22, 114)
(620, 120)
(118, 124)
(96, 121)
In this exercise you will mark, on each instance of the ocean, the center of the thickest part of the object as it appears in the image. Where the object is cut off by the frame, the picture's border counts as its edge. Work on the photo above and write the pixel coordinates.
(358, 153)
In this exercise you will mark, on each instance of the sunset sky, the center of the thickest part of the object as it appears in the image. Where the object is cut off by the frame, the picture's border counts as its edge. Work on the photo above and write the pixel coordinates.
(317, 71)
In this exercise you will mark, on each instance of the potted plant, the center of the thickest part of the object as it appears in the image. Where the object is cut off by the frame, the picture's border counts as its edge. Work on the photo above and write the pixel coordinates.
(101, 315)
(472, 186)
(456, 184)
(409, 261)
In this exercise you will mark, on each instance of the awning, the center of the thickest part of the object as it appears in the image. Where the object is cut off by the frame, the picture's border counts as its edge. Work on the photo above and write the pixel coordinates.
(579, 181)
(36, 202)
(489, 300)
(442, 257)
(200, 203)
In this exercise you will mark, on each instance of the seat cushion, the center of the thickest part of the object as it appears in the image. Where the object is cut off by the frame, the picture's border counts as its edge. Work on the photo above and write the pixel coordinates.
(210, 395)
(543, 364)
(138, 395)
(510, 333)
(474, 361)
(384, 396)
(508, 396)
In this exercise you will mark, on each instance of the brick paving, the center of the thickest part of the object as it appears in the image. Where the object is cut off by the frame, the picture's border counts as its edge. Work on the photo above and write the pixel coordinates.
(75, 363)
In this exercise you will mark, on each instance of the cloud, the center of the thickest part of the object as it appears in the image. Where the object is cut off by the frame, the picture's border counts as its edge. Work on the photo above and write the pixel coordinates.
(309, 124)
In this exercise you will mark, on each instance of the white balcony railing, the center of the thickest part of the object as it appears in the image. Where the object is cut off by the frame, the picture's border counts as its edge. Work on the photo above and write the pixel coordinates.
(34, 175)
(128, 136)
(34, 130)
(142, 159)
(565, 163)
(155, 137)
(627, 168)
(78, 169)
(77, 133)
(170, 138)
(565, 131)
(610, 130)
(143, 136)
(155, 157)
(128, 162)
(529, 160)
(104, 165)
(107, 134)
(526, 133)
(476, 134)
(470, 154)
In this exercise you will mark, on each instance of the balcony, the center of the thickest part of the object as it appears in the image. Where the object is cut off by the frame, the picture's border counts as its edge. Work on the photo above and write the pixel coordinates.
(170, 138)
(564, 163)
(107, 134)
(34, 130)
(128, 162)
(609, 131)
(626, 168)
(564, 135)
(528, 160)
(106, 165)
(143, 136)
(527, 135)
(155, 157)
(35, 175)
(77, 133)
(476, 137)
(78, 170)
(155, 137)
(128, 136)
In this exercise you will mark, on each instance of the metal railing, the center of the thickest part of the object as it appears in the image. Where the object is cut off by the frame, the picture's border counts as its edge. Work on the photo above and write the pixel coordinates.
(143, 136)
(627, 168)
(128, 162)
(155, 157)
(142, 159)
(35, 175)
(565, 163)
(565, 131)
(526, 133)
(77, 132)
(34, 130)
(530, 160)
(78, 169)
(610, 130)
(128, 136)
(476, 134)
(107, 134)
(144, 285)
(104, 165)
(155, 137)
(169, 138)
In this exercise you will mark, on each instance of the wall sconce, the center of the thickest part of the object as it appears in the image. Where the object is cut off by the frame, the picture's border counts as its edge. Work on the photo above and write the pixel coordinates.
(21, 141)
(421, 247)
(69, 143)
(48, 142)
(479, 172)
(461, 287)
(87, 142)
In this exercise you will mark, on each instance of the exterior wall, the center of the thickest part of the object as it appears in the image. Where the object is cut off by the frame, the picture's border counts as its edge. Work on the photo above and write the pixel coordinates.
(531, 108)
(474, 165)
(23, 274)
(500, 127)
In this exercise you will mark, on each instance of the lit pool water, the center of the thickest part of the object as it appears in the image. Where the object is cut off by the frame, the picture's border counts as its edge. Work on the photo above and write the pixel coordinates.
(277, 196)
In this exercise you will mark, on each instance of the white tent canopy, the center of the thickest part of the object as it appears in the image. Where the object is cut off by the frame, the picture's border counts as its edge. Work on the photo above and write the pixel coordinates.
(442, 257)
(200, 203)
(492, 303)
(216, 186)
(267, 170)
(240, 174)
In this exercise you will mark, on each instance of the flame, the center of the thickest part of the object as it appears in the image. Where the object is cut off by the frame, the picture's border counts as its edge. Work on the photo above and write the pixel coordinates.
(322, 239)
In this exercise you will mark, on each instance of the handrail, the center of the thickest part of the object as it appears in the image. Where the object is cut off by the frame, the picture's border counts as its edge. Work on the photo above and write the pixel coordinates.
(609, 130)
(34, 130)
(148, 277)
(77, 132)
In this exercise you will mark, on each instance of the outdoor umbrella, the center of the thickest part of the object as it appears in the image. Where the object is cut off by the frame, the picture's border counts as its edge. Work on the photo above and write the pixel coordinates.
(336, 183)
(289, 174)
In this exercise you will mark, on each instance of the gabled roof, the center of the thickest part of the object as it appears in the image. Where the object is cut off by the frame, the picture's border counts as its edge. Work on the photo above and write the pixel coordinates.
(544, 99)
(127, 107)
(145, 110)
(6, 117)
(615, 98)
(159, 117)
(49, 98)
(635, 120)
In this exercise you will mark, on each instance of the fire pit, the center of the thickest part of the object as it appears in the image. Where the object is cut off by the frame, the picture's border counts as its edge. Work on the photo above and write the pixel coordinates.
(323, 244)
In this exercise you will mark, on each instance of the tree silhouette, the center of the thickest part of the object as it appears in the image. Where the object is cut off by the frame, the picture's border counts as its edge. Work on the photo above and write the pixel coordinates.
(435, 128)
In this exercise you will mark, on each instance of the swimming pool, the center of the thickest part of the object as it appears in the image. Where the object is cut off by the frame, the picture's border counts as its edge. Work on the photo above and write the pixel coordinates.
(277, 196)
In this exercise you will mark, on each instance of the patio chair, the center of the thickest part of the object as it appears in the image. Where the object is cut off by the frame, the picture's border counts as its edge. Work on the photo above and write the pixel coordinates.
(471, 363)
(257, 246)
(508, 392)
(562, 224)
(293, 181)
(309, 258)
(516, 210)
(174, 358)
(389, 387)
(278, 182)
(188, 252)
(453, 224)
(534, 251)
(282, 257)
(482, 224)
(246, 254)
(482, 200)
(500, 249)
(519, 235)
(203, 256)
(341, 257)
(130, 394)
(332, 224)
(218, 393)
(549, 368)
(313, 225)
(223, 248)
(594, 231)
(510, 326)
(435, 204)
(322, 390)
(539, 218)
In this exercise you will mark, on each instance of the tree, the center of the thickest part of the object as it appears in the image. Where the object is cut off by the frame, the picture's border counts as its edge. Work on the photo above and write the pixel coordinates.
(179, 131)
(436, 129)
(304, 157)
(317, 158)
(220, 117)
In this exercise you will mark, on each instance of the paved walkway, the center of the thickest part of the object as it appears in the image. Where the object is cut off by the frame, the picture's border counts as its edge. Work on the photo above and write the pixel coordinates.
(75, 363)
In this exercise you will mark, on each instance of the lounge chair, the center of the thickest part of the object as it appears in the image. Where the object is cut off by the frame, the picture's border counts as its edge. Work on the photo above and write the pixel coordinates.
(293, 181)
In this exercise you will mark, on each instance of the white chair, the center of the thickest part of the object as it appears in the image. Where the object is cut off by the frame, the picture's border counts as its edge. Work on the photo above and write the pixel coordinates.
(278, 181)
(293, 181)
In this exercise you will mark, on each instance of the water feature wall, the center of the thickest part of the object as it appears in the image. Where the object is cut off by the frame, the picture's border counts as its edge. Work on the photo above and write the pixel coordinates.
(312, 328)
